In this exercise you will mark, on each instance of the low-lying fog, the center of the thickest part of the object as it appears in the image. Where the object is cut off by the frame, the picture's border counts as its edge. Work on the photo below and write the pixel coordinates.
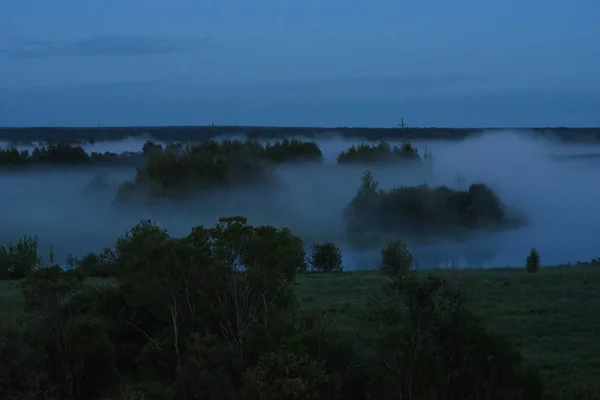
(559, 198)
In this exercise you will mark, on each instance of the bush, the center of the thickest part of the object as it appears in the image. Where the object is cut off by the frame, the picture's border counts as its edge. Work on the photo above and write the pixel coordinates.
(285, 375)
(396, 259)
(22, 374)
(532, 263)
(18, 259)
(50, 288)
(99, 265)
(91, 357)
(432, 346)
(326, 257)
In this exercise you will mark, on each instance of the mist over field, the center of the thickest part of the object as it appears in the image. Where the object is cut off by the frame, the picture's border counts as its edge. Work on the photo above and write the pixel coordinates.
(559, 199)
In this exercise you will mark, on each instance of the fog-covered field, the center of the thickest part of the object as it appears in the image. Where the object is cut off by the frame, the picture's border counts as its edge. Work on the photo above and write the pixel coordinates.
(559, 198)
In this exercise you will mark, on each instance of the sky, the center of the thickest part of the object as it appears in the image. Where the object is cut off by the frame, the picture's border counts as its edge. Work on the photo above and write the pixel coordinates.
(306, 63)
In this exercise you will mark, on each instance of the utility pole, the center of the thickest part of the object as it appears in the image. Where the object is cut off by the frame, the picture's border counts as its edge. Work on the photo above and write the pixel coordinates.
(402, 125)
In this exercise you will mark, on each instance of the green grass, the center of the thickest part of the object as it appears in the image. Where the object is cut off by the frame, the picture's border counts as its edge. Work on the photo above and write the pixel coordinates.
(553, 316)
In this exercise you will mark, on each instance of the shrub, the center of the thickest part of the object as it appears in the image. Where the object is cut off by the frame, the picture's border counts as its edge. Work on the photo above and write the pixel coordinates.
(396, 259)
(532, 262)
(99, 265)
(90, 358)
(325, 257)
(285, 375)
(432, 346)
(18, 259)
(22, 374)
(50, 288)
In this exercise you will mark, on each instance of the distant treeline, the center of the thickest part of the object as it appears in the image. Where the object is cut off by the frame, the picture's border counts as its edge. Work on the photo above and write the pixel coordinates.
(61, 153)
(195, 133)
(276, 152)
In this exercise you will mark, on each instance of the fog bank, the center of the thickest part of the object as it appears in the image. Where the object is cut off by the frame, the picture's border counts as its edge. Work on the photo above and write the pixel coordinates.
(559, 199)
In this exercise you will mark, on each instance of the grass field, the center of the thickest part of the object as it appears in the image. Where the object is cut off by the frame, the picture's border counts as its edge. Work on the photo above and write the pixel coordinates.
(554, 315)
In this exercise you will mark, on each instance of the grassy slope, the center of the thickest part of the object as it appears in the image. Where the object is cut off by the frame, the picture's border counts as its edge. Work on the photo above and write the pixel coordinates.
(554, 315)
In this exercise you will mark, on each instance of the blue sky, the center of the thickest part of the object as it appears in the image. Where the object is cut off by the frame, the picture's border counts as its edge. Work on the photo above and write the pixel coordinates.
(268, 62)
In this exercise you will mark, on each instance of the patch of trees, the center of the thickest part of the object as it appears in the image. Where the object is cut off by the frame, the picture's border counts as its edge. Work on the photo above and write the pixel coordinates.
(62, 153)
(178, 171)
(214, 315)
(292, 150)
(382, 152)
(423, 211)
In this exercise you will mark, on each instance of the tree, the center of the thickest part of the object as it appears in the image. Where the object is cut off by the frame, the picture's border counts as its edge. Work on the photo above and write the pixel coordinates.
(430, 345)
(326, 257)
(396, 259)
(532, 263)
(226, 279)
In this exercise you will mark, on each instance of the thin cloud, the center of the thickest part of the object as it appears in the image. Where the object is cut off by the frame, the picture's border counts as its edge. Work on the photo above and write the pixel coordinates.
(101, 46)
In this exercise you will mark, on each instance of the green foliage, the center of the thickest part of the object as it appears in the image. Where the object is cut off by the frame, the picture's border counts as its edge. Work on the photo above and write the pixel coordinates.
(326, 257)
(285, 375)
(150, 147)
(62, 153)
(22, 375)
(396, 259)
(179, 171)
(434, 347)
(134, 242)
(532, 263)
(225, 280)
(79, 354)
(214, 315)
(344, 365)
(99, 265)
(90, 357)
(379, 153)
(422, 211)
(18, 259)
(207, 369)
(292, 150)
(50, 287)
